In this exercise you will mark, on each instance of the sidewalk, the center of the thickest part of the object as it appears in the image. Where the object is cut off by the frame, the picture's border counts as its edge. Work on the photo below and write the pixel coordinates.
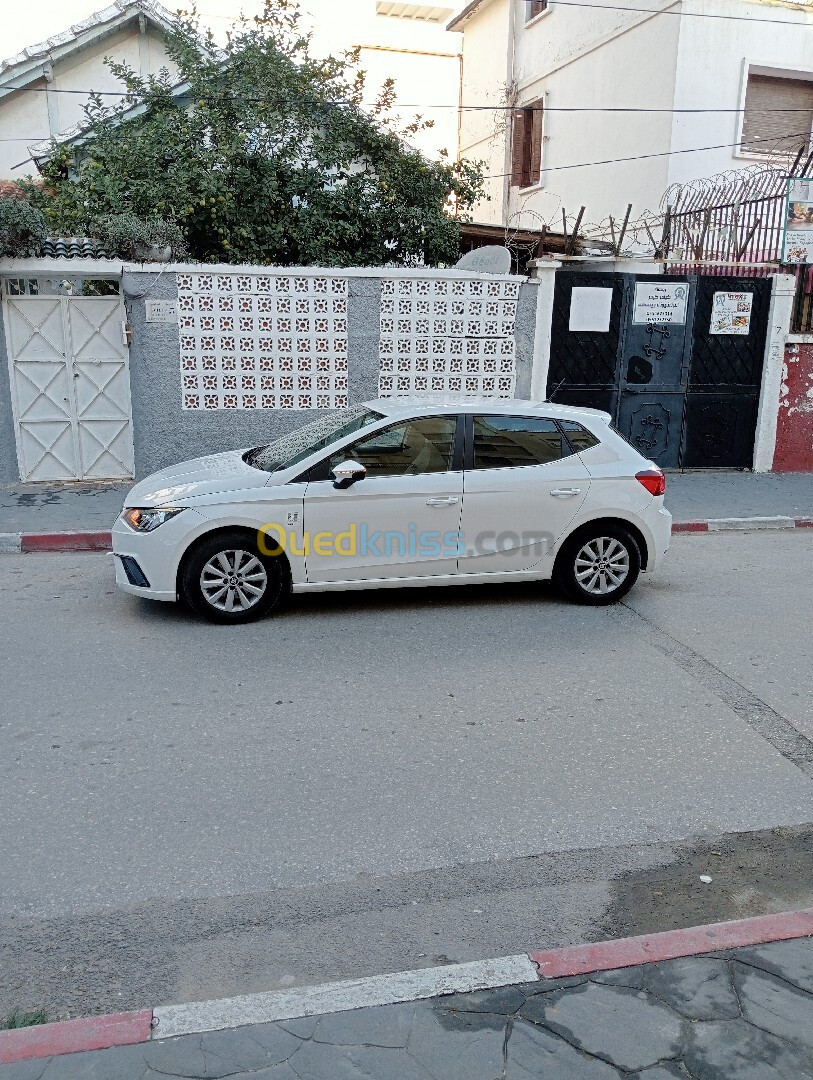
(55, 508)
(58, 508)
(741, 1014)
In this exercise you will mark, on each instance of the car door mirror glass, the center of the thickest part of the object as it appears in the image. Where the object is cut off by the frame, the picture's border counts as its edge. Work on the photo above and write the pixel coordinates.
(347, 473)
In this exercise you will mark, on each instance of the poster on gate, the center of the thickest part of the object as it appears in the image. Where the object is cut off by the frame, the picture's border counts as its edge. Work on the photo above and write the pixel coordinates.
(797, 245)
(731, 313)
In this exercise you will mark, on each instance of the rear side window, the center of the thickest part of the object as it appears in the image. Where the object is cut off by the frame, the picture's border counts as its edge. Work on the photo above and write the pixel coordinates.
(507, 442)
(578, 437)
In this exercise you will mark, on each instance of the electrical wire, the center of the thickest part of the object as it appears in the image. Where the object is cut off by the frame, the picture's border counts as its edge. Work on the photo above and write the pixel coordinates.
(446, 105)
(642, 157)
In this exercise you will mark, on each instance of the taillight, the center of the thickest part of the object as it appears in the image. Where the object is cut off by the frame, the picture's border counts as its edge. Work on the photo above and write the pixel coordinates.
(654, 482)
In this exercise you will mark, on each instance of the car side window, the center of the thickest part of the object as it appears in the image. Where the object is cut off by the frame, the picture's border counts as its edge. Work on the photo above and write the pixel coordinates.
(506, 442)
(423, 445)
(578, 437)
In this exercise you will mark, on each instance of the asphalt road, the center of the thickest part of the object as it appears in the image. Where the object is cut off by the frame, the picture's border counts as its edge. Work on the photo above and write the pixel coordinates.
(376, 781)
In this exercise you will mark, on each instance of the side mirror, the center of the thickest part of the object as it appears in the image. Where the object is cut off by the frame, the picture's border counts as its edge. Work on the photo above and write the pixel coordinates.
(347, 473)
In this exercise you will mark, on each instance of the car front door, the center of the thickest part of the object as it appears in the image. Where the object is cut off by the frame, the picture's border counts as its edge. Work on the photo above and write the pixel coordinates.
(402, 519)
(523, 485)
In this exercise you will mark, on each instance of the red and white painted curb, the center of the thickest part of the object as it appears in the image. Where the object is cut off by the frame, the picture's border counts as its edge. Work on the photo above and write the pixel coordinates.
(27, 543)
(171, 1021)
(744, 524)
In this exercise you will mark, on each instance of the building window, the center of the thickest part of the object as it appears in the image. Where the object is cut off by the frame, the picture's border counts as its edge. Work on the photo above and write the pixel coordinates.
(526, 145)
(534, 8)
(778, 115)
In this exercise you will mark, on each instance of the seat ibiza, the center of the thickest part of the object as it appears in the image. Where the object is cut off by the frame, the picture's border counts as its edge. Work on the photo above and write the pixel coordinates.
(394, 493)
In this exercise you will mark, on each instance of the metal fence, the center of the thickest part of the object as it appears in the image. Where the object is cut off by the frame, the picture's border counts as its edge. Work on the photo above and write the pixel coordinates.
(732, 225)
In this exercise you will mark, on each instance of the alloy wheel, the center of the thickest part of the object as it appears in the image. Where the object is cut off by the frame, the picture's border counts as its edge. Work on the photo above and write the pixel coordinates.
(602, 565)
(233, 581)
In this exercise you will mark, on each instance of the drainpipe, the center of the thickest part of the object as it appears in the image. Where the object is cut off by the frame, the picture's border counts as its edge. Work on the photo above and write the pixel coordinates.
(459, 106)
(143, 47)
(51, 101)
(510, 83)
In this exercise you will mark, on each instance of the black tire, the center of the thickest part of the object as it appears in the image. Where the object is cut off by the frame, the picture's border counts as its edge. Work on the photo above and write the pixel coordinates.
(250, 570)
(593, 559)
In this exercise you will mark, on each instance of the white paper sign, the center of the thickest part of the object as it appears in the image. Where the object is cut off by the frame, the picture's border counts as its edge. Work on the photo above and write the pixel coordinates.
(731, 313)
(660, 303)
(590, 309)
(162, 311)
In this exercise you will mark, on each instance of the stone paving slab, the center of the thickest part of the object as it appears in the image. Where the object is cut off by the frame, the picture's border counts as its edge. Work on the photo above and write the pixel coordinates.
(742, 1015)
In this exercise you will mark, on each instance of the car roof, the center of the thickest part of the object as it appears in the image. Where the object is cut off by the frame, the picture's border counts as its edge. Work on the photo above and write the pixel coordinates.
(422, 406)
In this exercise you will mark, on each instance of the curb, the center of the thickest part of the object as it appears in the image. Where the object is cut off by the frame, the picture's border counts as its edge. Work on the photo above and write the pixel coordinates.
(171, 1021)
(28, 543)
(72, 1036)
(741, 524)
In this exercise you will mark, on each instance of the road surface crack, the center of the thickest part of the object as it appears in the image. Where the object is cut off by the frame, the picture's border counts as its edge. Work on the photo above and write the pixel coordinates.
(760, 717)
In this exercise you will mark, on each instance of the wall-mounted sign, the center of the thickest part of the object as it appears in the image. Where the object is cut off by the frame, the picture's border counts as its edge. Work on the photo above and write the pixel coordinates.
(590, 309)
(731, 313)
(657, 302)
(797, 246)
(162, 311)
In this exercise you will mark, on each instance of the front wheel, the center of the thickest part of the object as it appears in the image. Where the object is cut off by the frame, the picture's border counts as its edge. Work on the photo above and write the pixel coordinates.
(598, 566)
(227, 580)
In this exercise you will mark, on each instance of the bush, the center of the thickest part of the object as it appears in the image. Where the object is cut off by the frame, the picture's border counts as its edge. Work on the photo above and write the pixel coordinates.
(132, 237)
(22, 228)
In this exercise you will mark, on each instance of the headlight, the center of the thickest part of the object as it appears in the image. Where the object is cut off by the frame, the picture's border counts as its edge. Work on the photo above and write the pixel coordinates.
(146, 520)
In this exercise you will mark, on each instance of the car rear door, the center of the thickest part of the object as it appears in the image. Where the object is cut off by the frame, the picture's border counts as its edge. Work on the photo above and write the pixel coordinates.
(523, 485)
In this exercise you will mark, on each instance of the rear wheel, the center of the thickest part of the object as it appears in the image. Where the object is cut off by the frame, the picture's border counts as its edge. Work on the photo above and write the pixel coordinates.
(598, 566)
(227, 580)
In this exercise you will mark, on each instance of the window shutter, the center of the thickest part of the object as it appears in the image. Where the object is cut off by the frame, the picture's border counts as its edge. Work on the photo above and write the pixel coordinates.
(764, 131)
(536, 142)
(517, 145)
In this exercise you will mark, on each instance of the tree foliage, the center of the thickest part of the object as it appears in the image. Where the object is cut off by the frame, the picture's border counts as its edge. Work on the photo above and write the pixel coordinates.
(22, 228)
(268, 157)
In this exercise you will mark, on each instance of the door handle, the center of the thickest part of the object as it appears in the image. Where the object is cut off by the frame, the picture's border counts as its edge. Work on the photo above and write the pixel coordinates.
(565, 493)
(447, 500)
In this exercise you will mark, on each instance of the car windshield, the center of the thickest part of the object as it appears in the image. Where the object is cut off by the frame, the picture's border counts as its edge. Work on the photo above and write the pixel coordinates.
(299, 444)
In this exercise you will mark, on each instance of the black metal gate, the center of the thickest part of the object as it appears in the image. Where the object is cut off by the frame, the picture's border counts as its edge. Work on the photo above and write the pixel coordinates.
(682, 387)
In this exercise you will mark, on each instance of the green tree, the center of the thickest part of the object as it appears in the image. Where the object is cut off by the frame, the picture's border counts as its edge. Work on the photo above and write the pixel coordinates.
(267, 157)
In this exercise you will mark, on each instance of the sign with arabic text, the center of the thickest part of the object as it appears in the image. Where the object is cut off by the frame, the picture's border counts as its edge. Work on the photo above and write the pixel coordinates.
(657, 302)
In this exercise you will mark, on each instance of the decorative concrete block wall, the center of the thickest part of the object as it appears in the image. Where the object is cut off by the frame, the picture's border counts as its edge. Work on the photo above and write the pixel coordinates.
(256, 348)
(224, 357)
(448, 335)
(263, 341)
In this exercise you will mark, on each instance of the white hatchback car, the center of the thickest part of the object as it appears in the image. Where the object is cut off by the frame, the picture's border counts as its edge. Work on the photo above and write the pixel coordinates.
(393, 493)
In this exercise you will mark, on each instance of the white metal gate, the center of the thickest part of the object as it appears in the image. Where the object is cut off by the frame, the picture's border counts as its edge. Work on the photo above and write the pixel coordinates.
(70, 387)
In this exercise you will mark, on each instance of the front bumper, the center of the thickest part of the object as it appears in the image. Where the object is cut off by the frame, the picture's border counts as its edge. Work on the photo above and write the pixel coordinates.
(155, 556)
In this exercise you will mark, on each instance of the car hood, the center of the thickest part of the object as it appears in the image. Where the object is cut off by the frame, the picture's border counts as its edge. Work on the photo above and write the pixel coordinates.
(192, 479)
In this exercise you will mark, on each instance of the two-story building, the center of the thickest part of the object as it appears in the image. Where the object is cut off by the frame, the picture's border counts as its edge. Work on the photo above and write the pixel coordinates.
(603, 103)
